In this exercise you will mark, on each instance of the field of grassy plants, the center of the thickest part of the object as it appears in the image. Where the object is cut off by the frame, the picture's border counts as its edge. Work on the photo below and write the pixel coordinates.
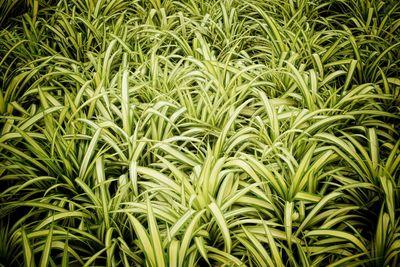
(199, 133)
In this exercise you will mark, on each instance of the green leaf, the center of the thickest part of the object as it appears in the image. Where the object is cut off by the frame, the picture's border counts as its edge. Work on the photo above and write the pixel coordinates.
(219, 218)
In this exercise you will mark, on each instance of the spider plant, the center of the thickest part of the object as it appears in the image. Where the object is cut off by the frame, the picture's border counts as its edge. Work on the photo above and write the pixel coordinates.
(199, 133)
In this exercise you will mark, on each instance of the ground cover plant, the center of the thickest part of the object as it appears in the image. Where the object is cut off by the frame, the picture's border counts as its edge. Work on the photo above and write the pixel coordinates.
(199, 133)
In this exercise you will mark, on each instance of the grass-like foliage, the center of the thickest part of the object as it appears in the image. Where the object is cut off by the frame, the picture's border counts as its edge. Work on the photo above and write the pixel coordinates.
(199, 133)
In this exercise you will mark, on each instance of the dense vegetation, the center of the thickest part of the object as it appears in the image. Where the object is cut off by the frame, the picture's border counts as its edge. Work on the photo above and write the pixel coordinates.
(199, 133)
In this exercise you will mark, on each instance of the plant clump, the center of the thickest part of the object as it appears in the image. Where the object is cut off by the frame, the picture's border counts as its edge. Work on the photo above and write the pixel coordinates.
(199, 133)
